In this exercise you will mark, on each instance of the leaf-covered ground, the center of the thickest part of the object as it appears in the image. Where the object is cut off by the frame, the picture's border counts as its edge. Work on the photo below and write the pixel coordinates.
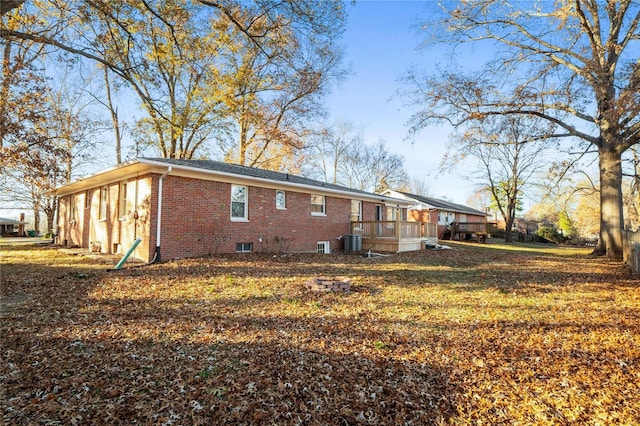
(489, 334)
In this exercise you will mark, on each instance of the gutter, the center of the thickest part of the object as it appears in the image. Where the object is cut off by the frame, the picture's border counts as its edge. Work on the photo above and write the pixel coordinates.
(156, 257)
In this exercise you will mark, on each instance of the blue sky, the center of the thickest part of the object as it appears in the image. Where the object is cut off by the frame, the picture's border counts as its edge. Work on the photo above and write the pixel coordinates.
(381, 43)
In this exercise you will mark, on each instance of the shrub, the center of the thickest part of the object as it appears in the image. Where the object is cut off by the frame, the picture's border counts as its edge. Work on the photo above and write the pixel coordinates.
(550, 233)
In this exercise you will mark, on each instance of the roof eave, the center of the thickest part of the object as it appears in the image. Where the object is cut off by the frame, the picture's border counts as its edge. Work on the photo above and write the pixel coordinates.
(145, 165)
(307, 188)
(106, 176)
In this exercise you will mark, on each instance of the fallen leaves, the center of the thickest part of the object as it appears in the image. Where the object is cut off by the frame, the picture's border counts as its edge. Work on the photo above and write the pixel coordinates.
(473, 335)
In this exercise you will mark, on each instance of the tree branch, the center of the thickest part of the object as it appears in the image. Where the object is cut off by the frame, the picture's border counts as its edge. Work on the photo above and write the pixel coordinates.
(7, 6)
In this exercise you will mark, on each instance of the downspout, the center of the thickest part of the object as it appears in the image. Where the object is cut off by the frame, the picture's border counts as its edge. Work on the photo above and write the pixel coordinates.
(157, 258)
(135, 209)
(398, 233)
(56, 231)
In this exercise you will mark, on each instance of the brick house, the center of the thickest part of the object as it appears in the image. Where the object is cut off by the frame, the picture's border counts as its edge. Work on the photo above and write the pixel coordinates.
(433, 210)
(190, 208)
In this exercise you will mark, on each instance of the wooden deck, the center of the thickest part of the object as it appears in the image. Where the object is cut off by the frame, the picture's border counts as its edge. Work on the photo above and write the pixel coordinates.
(395, 236)
(470, 230)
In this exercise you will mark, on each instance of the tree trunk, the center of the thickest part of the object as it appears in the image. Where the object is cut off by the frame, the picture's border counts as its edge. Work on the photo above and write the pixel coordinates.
(4, 89)
(243, 142)
(36, 217)
(50, 218)
(610, 204)
(114, 117)
(508, 224)
(508, 237)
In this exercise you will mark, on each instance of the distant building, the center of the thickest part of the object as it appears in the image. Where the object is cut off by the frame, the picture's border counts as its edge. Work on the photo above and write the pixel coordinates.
(12, 228)
(433, 210)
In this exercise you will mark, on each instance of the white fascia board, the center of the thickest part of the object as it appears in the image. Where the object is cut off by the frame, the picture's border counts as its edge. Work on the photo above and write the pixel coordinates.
(419, 206)
(126, 170)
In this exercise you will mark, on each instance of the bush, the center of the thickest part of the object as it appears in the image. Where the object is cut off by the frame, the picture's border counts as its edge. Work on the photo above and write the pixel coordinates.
(550, 233)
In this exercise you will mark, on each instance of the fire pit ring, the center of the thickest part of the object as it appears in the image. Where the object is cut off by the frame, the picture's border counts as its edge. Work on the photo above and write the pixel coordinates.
(336, 284)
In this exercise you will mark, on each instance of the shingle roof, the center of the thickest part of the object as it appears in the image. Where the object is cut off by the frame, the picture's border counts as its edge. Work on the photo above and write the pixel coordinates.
(236, 169)
(4, 221)
(442, 204)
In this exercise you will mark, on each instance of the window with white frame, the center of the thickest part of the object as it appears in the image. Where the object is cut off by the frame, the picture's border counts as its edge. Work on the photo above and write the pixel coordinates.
(239, 202)
(122, 205)
(445, 218)
(104, 199)
(280, 200)
(244, 247)
(318, 205)
(391, 213)
(356, 211)
(324, 247)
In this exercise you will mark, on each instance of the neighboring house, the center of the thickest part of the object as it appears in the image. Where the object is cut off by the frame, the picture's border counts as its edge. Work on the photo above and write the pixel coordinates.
(190, 208)
(11, 227)
(433, 210)
(526, 226)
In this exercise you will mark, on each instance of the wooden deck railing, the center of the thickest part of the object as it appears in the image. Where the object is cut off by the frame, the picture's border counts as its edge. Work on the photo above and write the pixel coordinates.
(470, 227)
(466, 230)
(394, 229)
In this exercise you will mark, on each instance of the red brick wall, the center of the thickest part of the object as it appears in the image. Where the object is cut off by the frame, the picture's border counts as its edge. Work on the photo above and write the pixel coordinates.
(369, 211)
(196, 220)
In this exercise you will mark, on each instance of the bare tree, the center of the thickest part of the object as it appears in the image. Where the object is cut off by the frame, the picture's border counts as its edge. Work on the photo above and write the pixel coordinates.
(338, 154)
(113, 111)
(372, 168)
(419, 185)
(508, 151)
(328, 148)
(573, 63)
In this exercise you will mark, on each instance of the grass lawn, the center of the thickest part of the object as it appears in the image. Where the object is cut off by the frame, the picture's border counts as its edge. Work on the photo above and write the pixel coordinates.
(480, 334)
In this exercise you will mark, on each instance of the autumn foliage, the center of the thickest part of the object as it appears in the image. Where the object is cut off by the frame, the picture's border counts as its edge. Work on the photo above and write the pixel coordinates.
(475, 335)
